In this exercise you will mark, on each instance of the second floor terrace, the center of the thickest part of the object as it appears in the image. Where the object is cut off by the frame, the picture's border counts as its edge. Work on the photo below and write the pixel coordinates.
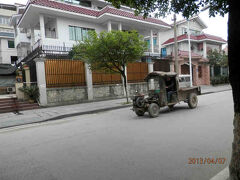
(57, 23)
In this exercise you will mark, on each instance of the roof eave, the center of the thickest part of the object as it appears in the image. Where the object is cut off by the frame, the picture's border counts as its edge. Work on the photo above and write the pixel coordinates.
(88, 16)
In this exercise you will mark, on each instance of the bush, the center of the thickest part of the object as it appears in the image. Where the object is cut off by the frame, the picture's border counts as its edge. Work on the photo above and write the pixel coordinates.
(219, 80)
(31, 91)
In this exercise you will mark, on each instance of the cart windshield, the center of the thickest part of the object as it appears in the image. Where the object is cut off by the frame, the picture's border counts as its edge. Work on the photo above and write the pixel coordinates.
(153, 83)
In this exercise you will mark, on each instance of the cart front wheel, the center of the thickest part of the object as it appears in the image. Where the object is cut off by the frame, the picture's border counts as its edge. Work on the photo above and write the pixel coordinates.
(153, 110)
(171, 107)
(139, 112)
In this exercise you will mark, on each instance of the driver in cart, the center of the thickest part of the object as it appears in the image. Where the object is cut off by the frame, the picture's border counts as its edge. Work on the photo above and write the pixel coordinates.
(169, 88)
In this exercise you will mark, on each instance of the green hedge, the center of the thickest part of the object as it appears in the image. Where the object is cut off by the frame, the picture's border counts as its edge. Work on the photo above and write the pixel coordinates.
(219, 80)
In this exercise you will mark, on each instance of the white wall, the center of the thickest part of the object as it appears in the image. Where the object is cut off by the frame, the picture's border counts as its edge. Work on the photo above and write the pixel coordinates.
(170, 33)
(63, 31)
(192, 24)
(5, 52)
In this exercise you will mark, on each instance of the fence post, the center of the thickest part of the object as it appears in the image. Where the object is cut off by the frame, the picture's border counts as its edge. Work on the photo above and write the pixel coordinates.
(88, 76)
(150, 67)
(171, 67)
(41, 80)
(27, 75)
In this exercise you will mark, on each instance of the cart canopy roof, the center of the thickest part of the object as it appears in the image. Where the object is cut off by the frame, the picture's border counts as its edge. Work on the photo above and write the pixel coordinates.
(160, 74)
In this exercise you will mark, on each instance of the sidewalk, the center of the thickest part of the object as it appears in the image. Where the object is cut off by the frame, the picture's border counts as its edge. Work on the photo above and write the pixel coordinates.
(60, 112)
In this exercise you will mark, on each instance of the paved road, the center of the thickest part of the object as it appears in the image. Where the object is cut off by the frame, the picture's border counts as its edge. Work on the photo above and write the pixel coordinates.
(118, 145)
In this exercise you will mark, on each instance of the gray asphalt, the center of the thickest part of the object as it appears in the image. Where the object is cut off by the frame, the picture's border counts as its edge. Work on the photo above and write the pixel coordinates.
(118, 145)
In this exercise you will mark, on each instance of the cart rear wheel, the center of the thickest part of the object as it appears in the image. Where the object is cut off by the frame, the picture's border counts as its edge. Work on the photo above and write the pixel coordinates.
(139, 112)
(153, 110)
(171, 107)
(192, 100)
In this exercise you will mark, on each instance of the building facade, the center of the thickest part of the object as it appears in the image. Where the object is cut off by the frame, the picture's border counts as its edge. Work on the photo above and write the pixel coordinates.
(200, 44)
(8, 53)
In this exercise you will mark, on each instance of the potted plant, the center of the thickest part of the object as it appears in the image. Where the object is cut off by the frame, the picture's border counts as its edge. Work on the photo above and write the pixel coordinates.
(32, 92)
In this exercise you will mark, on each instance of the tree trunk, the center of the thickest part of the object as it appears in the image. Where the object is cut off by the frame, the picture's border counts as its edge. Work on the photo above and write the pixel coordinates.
(234, 77)
(125, 85)
(124, 82)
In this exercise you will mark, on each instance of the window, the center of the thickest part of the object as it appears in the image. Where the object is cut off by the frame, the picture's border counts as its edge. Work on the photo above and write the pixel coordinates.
(163, 52)
(4, 20)
(192, 32)
(78, 33)
(199, 71)
(11, 44)
(79, 2)
(86, 3)
(184, 30)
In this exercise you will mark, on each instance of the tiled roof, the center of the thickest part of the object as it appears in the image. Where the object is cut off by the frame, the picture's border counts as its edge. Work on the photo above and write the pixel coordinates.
(94, 13)
(196, 38)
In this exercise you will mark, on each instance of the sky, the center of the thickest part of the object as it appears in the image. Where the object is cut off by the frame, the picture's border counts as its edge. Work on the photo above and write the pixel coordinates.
(216, 25)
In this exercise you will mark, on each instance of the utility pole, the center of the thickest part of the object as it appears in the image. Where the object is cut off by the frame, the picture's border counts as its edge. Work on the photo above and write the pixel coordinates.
(175, 46)
(189, 53)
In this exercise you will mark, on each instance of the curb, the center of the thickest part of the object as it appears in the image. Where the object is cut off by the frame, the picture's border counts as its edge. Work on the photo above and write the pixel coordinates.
(215, 91)
(222, 175)
(89, 112)
(71, 115)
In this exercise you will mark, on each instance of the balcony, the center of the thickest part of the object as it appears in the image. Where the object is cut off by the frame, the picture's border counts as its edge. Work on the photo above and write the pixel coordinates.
(22, 38)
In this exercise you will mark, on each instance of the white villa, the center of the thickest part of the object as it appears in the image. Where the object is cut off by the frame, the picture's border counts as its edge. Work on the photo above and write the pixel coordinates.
(63, 23)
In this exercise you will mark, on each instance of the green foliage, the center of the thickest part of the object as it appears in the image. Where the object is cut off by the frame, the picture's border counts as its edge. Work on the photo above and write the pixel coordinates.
(219, 80)
(110, 51)
(31, 91)
(164, 7)
(217, 58)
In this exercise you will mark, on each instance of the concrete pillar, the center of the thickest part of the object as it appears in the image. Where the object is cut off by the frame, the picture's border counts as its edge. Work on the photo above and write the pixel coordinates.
(159, 42)
(41, 80)
(27, 75)
(204, 49)
(88, 75)
(171, 67)
(120, 26)
(42, 26)
(32, 36)
(109, 26)
(151, 41)
(150, 67)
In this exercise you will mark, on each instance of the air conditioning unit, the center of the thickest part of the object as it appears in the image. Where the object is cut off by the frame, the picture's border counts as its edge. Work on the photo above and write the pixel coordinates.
(11, 89)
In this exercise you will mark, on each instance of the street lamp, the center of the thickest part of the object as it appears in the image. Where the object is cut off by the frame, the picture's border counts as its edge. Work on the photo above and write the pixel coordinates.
(189, 45)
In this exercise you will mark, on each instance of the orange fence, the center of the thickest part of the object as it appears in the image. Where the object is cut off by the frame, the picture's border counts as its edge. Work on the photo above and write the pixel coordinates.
(99, 77)
(136, 72)
(64, 73)
(68, 73)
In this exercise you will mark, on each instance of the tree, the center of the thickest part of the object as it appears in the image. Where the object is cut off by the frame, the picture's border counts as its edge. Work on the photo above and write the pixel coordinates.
(189, 8)
(111, 51)
(217, 58)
